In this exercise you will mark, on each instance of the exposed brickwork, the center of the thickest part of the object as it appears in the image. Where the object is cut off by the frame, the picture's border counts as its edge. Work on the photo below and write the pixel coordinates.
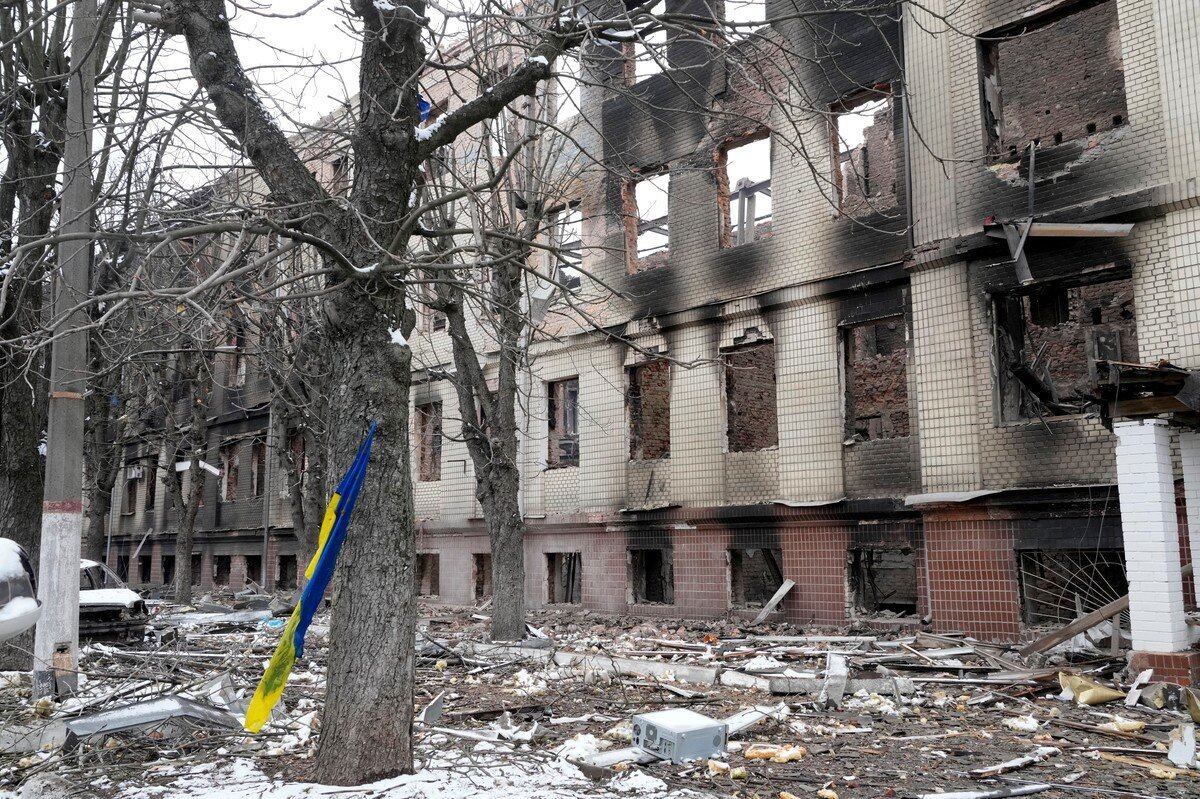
(750, 397)
(1177, 667)
(971, 573)
(650, 410)
(427, 423)
(877, 380)
(1063, 81)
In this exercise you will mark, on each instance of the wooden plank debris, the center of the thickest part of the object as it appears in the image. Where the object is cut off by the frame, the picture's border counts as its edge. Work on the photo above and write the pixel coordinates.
(773, 602)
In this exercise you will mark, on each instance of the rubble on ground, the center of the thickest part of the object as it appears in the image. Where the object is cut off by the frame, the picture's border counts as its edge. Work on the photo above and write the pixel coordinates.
(806, 713)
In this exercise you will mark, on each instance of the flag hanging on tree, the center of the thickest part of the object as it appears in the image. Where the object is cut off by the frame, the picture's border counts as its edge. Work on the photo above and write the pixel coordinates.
(318, 574)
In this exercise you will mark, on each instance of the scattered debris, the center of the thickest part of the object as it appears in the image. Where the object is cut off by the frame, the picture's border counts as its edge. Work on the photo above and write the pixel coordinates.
(771, 710)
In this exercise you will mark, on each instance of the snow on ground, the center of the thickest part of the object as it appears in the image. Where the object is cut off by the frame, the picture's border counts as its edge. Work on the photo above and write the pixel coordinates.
(487, 773)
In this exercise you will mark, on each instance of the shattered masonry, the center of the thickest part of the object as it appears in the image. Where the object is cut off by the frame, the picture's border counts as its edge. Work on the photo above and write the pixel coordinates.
(909, 426)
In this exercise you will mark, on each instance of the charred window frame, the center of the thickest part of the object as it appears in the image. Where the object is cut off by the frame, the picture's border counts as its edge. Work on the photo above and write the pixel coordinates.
(151, 477)
(236, 342)
(481, 575)
(751, 406)
(562, 413)
(429, 575)
(133, 475)
(1048, 337)
(428, 419)
(744, 189)
(564, 578)
(1078, 92)
(567, 255)
(875, 364)
(754, 576)
(258, 467)
(863, 152)
(649, 403)
(222, 569)
(651, 576)
(229, 471)
(286, 574)
(646, 201)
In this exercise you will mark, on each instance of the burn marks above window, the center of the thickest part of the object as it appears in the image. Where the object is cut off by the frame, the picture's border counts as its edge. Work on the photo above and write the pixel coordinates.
(1049, 339)
(863, 146)
(745, 189)
(1053, 79)
(645, 214)
(876, 379)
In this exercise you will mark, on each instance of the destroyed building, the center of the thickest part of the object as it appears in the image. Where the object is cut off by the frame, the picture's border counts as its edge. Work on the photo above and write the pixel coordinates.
(877, 379)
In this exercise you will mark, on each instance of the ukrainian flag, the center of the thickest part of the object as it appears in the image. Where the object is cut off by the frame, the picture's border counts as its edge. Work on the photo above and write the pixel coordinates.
(318, 574)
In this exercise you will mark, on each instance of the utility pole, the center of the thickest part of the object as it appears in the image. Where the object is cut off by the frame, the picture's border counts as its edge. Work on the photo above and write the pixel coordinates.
(56, 643)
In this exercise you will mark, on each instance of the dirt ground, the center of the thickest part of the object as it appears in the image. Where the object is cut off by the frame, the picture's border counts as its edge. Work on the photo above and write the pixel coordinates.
(918, 714)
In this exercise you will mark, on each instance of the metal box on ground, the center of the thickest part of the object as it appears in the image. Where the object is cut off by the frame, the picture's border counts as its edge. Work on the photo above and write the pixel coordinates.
(679, 735)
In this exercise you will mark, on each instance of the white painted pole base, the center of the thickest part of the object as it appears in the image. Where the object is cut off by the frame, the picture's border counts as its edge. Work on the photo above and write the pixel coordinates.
(56, 643)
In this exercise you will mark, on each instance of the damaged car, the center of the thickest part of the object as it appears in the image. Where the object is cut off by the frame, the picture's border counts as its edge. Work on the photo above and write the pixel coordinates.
(108, 608)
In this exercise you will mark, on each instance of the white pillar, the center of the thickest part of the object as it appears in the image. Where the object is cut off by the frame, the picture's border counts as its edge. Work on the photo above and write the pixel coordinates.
(1189, 452)
(1146, 482)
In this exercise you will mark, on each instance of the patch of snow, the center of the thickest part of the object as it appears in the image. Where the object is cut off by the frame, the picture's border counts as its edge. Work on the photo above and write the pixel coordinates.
(108, 596)
(762, 663)
(385, 5)
(529, 685)
(489, 774)
(17, 606)
(398, 337)
(538, 59)
(10, 560)
(581, 746)
(638, 781)
(425, 133)
(362, 270)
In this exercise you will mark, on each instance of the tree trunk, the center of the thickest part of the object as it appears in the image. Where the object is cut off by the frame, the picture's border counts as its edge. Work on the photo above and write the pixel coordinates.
(185, 535)
(366, 725)
(506, 530)
(22, 420)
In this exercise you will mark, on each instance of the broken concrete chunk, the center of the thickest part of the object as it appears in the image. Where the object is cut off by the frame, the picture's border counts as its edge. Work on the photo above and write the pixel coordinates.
(1182, 746)
(837, 673)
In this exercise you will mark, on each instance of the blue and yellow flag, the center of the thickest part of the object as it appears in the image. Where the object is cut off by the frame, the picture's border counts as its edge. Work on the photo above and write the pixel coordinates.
(318, 574)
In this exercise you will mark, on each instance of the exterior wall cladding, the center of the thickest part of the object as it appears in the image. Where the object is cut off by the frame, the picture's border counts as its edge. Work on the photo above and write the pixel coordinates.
(963, 486)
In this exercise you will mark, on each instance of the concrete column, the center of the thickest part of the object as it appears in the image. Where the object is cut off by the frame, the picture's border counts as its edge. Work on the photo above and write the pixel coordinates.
(1145, 480)
(1189, 452)
(698, 435)
(1178, 39)
(944, 365)
(603, 430)
(810, 402)
(927, 61)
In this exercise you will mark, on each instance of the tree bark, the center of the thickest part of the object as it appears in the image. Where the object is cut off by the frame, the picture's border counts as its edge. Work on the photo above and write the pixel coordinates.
(366, 727)
(506, 532)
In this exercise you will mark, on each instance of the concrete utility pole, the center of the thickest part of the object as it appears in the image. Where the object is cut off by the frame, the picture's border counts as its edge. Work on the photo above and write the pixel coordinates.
(56, 644)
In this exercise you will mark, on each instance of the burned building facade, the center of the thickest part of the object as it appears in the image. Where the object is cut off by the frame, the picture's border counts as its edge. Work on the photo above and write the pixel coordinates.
(869, 367)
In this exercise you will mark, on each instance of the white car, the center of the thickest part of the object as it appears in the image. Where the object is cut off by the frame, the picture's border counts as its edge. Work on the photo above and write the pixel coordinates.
(106, 605)
(19, 607)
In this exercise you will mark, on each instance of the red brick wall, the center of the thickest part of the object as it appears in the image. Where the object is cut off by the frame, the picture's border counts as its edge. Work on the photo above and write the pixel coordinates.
(972, 573)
